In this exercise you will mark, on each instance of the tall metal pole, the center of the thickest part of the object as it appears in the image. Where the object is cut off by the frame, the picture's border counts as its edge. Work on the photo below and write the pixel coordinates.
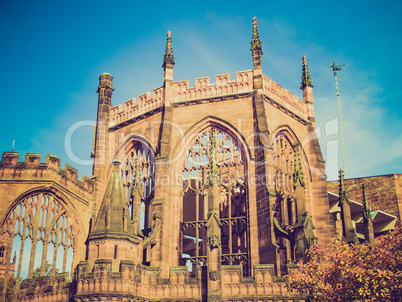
(344, 152)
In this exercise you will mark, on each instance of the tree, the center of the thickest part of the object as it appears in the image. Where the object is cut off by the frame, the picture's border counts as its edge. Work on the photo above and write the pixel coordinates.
(352, 272)
(48, 271)
(36, 273)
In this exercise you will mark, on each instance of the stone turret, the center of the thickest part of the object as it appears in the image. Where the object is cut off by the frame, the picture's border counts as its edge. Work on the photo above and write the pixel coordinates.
(100, 153)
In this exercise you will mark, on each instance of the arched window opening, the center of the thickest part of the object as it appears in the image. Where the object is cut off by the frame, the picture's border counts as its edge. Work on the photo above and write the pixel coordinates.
(284, 163)
(138, 175)
(286, 207)
(39, 222)
(233, 205)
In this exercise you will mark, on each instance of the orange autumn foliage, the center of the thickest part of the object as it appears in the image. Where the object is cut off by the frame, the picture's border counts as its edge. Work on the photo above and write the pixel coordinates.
(352, 272)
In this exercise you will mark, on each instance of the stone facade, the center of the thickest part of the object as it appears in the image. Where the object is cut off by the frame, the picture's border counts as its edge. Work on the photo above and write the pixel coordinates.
(204, 193)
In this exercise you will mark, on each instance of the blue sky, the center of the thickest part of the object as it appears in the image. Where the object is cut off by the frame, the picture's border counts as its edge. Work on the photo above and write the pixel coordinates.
(52, 53)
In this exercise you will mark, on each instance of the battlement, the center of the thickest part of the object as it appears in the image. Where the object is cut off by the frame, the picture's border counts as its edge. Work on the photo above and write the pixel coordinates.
(145, 282)
(138, 281)
(284, 97)
(32, 169)
(223, 86)
(132, 108)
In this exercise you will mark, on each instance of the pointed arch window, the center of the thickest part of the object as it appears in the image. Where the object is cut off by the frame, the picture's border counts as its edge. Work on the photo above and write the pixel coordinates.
(42, 232)
(284, 163)
(289, 205)
(138, 175)
(233, 204)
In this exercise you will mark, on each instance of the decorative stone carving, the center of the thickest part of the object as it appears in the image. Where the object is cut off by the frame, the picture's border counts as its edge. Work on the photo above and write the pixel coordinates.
(213, 241)
(256, 42)
(155, 229)
(214, 275)
(168, 57)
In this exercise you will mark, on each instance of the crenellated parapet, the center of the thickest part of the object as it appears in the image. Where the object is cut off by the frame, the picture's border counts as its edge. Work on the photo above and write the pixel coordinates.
(132, 109)
(284, 99)
(134, 281)
(31, 169)
(148, 105)
(223, 89)
(222, 86)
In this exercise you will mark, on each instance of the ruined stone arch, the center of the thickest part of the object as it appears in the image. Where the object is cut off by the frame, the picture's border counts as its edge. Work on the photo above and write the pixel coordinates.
(43, 227)
(137, 170)
(290, 163)
(232, 157)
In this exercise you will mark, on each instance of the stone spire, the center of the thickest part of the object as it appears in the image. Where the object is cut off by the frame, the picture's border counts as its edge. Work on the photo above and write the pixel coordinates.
(366, 206)
(256, 42)
(368, 229)
(343, 195)
(298, 170)
(168, 60)
(306, 80)
(113, 217)
(349, 231)
(256, 49)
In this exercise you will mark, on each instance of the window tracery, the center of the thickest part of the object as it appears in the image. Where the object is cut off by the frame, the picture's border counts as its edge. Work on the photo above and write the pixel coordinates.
(287, 170)
(284, 163)
(233, 208)
(138, 175)
(42, 234)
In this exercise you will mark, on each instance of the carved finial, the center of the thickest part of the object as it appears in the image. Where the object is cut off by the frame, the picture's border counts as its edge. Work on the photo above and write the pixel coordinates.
(168, 57)
(366, 206)
(298, 175)
(256, 42)
(342, 191)
(306, 80)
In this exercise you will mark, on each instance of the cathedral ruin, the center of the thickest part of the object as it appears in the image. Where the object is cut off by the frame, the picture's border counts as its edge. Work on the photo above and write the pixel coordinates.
(204, 193)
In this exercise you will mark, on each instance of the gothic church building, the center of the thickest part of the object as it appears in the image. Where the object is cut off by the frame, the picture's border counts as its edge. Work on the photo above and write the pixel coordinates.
(187, 201)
